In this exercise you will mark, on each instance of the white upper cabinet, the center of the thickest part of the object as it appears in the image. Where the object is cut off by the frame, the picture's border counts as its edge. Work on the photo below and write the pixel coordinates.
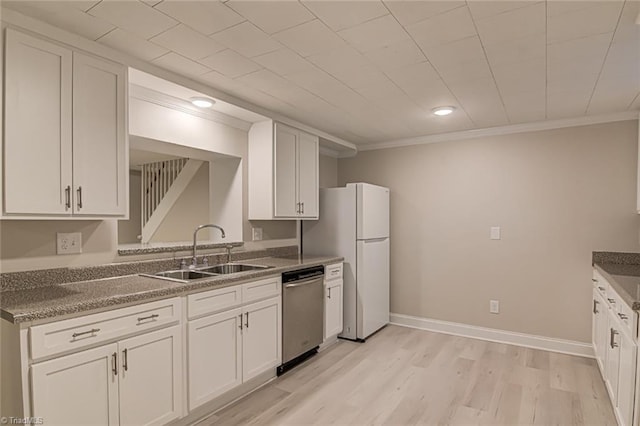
(65, 141)
(283, 173)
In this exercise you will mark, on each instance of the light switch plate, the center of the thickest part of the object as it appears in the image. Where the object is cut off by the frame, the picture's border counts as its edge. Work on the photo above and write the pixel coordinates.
(495, 233)
(69, 243)
(256, 234)
(494, 306)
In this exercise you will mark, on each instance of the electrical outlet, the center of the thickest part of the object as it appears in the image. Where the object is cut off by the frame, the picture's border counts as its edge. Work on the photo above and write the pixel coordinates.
(257, 234)
(69, 243)
(494, 306)
(495, 233)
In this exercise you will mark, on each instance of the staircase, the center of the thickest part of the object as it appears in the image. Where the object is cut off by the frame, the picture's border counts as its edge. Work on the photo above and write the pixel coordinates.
(162, 184)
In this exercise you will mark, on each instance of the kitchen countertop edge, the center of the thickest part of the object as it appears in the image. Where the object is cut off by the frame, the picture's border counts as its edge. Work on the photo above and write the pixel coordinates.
(166, 289)
(633, 303)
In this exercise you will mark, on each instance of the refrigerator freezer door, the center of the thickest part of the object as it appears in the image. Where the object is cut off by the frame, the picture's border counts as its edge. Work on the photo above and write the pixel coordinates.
(372, 286)
(373, 211)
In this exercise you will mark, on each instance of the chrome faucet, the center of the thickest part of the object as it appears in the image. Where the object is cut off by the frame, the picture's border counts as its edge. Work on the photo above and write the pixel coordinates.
(194, 260)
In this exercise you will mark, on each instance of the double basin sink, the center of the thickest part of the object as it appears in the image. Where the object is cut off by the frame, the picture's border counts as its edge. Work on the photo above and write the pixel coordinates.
(188, 275)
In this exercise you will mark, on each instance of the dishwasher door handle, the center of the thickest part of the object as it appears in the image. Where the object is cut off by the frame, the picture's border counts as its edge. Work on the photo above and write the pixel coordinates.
(304, 282)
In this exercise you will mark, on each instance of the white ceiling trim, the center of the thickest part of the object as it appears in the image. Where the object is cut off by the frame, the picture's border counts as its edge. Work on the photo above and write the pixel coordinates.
(34, 26)
(162, 99)
(504, 130)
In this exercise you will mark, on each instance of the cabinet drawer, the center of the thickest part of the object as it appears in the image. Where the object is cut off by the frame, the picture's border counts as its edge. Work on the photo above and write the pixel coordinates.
(76, 333)
(600, 283)
(333, 272)
(209, 302)
(627, 317)
(261, 289)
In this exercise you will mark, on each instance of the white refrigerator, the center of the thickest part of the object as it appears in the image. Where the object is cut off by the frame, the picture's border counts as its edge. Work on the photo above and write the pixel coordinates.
(354, 224)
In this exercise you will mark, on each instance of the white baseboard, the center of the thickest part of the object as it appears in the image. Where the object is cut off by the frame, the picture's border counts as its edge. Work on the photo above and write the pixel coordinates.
(569, 347)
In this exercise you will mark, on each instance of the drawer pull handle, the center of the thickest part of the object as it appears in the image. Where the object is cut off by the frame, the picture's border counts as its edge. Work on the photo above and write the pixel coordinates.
(600, 288)
(93, 330)
(79, 192)
(612, 341)
(595, 307)
(329, 295)
(152, 316)
(594, 280)
(246, 324)
(114, 363)
(67, 196)
(611, 300)
(622, 316)
(240, 326)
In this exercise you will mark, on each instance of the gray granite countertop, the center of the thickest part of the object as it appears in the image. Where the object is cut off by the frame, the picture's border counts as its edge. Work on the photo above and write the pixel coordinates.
(622, 271)
(49, 302)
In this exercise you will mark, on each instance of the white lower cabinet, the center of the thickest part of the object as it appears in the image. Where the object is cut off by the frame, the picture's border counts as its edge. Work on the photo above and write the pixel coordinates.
(136, 381)
(616, 349)
(333, 308)
(228, 348)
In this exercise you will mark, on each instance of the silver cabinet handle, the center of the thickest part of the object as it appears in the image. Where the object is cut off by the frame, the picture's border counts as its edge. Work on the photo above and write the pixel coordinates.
(611, 300)
(79, 192)
(125, 363)
(595, 307)
(622, 316)
(93, 330)
(329, 296)
(240, 326)
(298, 208)
(152, 316)
(114, 363)
(303, 282)
(246, 324)
(600, 288)
(594, 280)
(612, 341)
(302, 206)
(67, 197)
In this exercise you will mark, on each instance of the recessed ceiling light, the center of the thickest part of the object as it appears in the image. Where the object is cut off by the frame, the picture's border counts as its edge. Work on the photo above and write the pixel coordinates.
(443, 110)
(202, 102)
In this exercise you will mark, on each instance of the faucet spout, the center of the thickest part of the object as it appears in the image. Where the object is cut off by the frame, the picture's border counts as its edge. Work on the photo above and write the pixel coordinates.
(194, 260)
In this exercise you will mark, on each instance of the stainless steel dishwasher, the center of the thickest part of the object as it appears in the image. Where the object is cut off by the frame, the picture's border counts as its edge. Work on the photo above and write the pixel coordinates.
(302, 315)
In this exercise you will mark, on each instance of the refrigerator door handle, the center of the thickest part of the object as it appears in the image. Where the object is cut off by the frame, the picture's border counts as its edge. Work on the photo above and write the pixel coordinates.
(375, 240)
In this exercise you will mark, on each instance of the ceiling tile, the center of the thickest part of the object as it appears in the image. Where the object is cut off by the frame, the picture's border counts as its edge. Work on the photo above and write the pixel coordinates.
(602, 17)
(133, 45)
(382, 90)
(627, 29)
(517, 77)
(582, 56)
(481, 101)
(525, 106)
(181, 65)
(187, 42)
(374, 34)
(447, 27)
(345, 14)
(134, 17)
(151, 2)
(284, 61)
(464, 71)
(457, 52)
(230, 63)
(247, 39)
(310, 38)
(396, 55)
(207, 17)
(413, 76)
(339, 59)
(517, 50)
(514, 24)
(485, 9)
(410, 11)
(272, 16)
(563, 104)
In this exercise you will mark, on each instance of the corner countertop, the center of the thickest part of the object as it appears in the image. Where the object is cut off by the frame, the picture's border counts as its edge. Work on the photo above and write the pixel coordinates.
(625, 279)
(54, 301)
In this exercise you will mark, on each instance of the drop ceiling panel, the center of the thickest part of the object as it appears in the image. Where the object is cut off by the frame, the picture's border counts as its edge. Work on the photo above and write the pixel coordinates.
(345, 14)
(272, 16)
(187, 42)
(206, 17)
(368, 71)
(134, 17)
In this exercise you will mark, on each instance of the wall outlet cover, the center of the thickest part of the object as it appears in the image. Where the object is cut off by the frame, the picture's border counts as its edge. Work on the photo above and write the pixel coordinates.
(495, 233)
(256, 234)
(494, 306)
(69, 243)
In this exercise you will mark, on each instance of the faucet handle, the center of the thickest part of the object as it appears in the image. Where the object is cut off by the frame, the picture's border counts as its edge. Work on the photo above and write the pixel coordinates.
(205, 261)
(183, 264)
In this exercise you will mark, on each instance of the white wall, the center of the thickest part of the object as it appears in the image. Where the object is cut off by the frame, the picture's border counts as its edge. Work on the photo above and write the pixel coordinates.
(558, 195)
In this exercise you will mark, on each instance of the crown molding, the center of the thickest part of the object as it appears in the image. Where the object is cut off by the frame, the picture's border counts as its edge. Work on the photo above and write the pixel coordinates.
(503, 130)
(149, 95)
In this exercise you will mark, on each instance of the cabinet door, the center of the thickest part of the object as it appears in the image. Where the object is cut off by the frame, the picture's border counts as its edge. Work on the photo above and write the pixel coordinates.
(285, 179)
(612, 358)
(308, 185)
(78, 389)
(37, 144)
(215, 360)
(599, 329)
(99, 137)
(151, 378)
(333, 308)
(261, 342)
(626, 378)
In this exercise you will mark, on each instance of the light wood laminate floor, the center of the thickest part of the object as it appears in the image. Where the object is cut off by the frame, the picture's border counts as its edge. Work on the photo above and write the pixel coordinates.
(403, 376)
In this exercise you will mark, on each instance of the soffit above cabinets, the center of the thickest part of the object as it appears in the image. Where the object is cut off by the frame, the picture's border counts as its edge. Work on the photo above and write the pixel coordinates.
(372, 71)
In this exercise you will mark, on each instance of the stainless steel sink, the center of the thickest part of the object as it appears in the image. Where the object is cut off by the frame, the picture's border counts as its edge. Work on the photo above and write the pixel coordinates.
(181, 275)
(232, 268)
